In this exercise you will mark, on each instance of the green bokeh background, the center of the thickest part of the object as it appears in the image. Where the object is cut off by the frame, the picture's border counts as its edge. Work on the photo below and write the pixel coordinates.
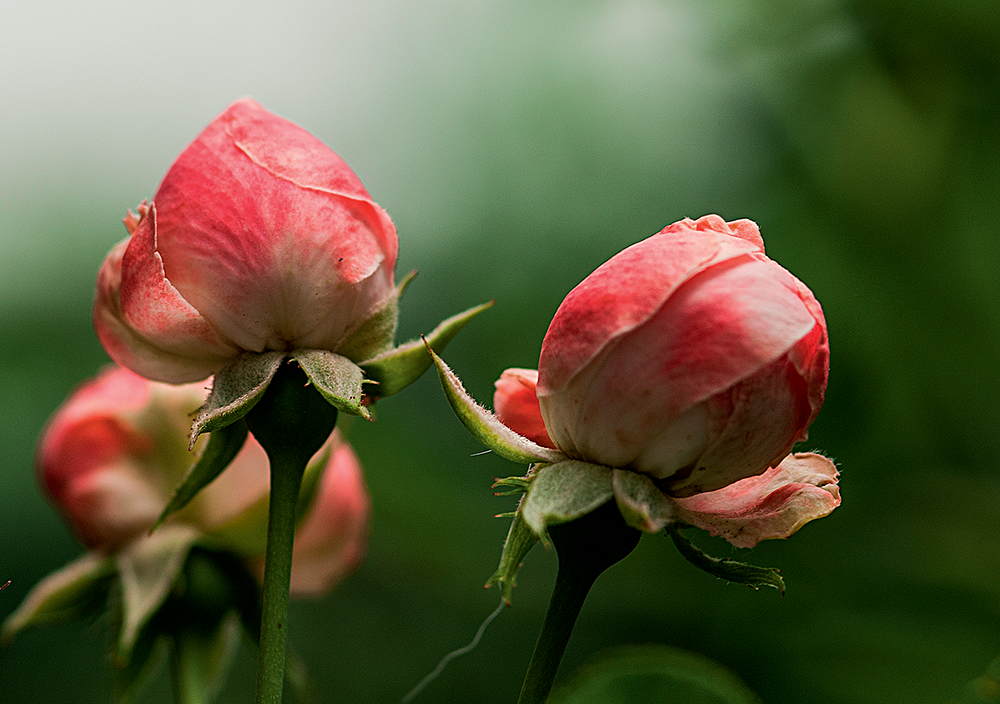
(517, 145)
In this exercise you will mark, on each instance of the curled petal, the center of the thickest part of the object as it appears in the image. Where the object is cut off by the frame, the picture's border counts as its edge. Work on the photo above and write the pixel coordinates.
(142, 320)
(516, 405)
(774, 504)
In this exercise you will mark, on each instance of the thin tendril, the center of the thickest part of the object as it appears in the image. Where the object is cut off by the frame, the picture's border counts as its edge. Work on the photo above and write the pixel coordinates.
(451, 656)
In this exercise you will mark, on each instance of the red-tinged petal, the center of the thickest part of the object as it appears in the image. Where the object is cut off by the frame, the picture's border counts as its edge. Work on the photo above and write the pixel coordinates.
(85, 461)
(811, 355)
(516, 405)
(628, 289)
(331, 542)
(270, 236)
(774, 504)
(144, 323)
(722, 326)
(105, 458)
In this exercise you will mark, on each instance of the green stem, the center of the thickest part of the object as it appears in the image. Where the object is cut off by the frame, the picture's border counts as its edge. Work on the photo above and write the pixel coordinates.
(586, 547)
(291, 421)
(286, 479)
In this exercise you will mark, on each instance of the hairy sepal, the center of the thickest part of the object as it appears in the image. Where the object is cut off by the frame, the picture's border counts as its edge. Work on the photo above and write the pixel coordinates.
(485, 426)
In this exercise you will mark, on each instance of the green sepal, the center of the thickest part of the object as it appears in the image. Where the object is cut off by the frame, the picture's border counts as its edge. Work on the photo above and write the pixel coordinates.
(78, 590)
(204, 653)
(520, 539)
(374, 335)
(235, 390)
(147, 570)
(338, 379)
(486, 427)
(222, 447)
(641, 503)
(512, 485)
(726, 568)
(399, 367)
(198, 619)
(147, 654)
(297, 677)
(564, 491)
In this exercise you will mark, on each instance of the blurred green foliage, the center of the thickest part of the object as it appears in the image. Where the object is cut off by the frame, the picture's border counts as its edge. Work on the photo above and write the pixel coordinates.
(861, 135)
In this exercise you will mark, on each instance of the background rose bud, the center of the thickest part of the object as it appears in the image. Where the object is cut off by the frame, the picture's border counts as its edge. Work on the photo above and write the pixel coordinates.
(114, 453)
(690, 357)
(259, 238)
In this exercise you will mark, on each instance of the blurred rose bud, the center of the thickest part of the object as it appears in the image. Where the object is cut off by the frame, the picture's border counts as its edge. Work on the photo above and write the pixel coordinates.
(259, 238)
(113, 454)
(689, 357)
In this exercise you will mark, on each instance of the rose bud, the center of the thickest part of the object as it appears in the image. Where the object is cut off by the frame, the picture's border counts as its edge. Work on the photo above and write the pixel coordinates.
(689, 357)
(259, 239)
(112, 455)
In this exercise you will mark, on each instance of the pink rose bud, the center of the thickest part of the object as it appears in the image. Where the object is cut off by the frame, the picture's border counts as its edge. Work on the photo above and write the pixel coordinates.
(689, 357)
(259, 238)
(113, 454)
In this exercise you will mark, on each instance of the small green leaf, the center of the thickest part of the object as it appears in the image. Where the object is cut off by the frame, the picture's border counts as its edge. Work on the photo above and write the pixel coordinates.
(563, 492)
(653, 673)
(642, 504)
(486, 427)
(520, 539)
(147, 570)
(78, 590)
(726, 568)
(235, 390)
(223, 445)
(337, 378)
(399, 367)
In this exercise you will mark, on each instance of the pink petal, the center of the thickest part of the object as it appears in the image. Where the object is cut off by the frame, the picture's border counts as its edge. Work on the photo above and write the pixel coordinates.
(144, 323)
(243, 484)
(629, 288)
(331, 542)
(774, 504)
(720, 327)
(270, 236)
(89, 462)
(516, 405)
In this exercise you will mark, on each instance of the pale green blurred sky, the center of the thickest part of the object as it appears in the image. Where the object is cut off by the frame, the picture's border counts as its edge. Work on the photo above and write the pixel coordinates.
(98, 99)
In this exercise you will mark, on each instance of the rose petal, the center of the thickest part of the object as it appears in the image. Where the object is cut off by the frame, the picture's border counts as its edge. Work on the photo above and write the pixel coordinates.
(628, 289)
(270, 236)
(516, 405)
(774, 504)
(144, 323)
(331, 541)
(720, 327)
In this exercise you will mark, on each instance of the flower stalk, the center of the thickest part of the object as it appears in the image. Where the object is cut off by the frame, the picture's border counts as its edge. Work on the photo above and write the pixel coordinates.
(586, 548)
(286, 480)
(291, 421)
